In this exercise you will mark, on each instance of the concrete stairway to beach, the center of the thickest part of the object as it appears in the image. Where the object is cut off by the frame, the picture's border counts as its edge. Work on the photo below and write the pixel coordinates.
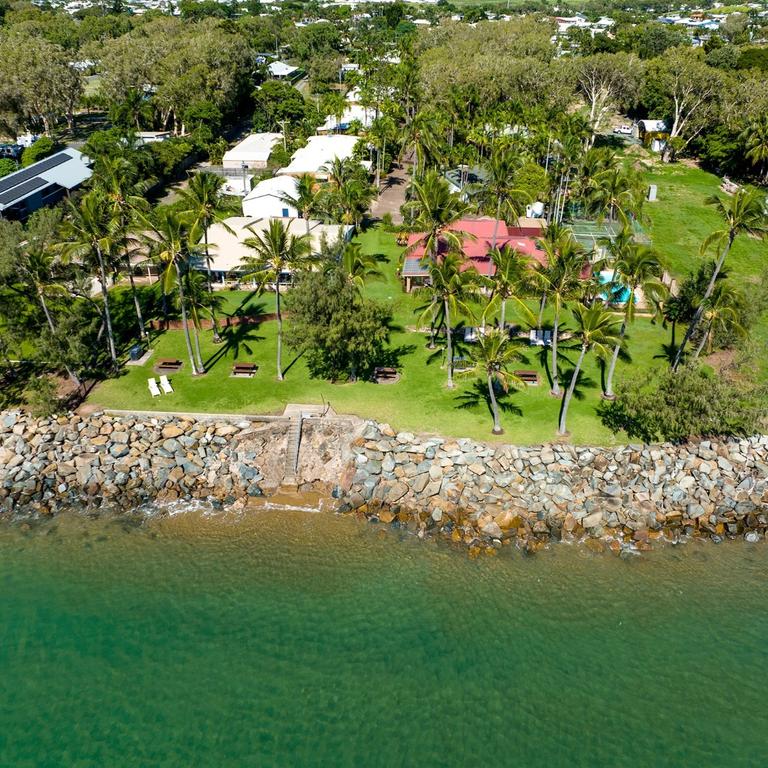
(292, 451)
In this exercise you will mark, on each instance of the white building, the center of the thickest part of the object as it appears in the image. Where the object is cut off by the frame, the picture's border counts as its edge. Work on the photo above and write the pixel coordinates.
(281, 70)
(352, 113)
(319, 152)
(252, 152)
(266, 199)
(228, 248)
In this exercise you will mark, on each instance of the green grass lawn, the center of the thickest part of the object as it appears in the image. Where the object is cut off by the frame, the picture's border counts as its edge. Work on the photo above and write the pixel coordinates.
(680, 221)
(420, 401)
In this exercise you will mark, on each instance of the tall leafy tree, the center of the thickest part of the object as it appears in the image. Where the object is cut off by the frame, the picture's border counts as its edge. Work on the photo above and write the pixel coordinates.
(492, 355)
(595, 330)
(452, 287)
(88, 238)
(202, 202)
(275, 252)
(561, 281)
(721, 313)
(755, 138)
(359, 266)
(166, 234)
(499, 194)
(743, 213)
(635, 268)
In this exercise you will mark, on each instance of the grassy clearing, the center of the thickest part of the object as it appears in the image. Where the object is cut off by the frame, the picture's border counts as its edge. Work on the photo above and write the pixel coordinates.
(420, 401)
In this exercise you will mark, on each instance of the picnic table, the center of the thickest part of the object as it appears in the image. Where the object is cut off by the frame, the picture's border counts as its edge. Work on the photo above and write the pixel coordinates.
(384, 375)
(244, 369)
(168, 365)
(527, 377)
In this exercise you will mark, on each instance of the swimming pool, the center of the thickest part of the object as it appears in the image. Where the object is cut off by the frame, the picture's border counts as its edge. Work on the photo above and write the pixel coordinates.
(618, 294)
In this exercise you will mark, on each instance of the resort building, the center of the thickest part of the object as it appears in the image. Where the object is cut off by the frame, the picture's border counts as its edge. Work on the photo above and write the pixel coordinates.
(228, 248)
(477, 246)
(320, 152)
(252, 152)
(42, 183)
(267, 199)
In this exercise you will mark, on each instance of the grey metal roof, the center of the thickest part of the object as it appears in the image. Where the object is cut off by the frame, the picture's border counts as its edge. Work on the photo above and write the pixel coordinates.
(67, 169)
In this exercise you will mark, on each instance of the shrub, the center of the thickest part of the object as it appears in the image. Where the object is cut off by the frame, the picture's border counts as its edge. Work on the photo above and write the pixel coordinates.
(693, 402)
(43, 147)
(6, 166)
(40, 396)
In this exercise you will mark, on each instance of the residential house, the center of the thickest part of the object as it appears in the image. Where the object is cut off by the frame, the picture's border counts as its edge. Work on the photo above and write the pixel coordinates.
(319, 152)
(266, 199)
(42, 183)
(252, 152)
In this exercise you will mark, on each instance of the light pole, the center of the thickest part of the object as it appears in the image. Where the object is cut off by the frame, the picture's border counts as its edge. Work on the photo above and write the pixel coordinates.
(244, 168)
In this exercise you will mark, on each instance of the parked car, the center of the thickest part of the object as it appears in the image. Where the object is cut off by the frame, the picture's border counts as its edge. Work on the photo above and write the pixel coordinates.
(624, 130)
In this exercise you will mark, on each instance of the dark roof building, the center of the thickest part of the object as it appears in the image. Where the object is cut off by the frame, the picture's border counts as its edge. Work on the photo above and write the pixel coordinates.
(42, 183)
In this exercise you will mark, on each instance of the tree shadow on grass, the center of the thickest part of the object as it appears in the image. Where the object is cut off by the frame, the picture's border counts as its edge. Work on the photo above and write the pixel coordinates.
(246, 309)
(293, 362)
(392, 358)
(668, 353)
(583, 383)
(237, 340)
(477, 395)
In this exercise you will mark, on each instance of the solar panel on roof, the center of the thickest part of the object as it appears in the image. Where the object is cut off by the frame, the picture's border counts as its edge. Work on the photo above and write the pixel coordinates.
(21, 190)
(19, 177)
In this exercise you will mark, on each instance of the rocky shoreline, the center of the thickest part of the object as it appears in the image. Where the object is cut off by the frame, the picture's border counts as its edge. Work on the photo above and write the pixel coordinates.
(478, 495)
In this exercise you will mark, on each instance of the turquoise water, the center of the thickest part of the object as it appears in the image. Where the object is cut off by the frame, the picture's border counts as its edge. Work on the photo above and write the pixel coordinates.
(283, 638)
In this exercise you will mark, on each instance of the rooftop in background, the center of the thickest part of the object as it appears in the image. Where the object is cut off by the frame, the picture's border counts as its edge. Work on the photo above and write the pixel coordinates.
(228, 248)
(320, 151)
(254, 151)
(477, 246)
(281, 69)
(42, 183)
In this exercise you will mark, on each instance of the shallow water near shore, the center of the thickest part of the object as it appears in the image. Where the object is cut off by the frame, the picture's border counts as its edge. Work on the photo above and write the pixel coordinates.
(279, 637)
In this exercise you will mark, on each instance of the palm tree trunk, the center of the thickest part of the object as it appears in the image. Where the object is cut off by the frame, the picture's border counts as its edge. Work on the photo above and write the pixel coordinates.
(214, 321)
(542, 304)
(555, 378)
(279, 329)
(107, 314)
(136, 303)
(503, 314)
(496, 223)
(700, 309)
(497, 430)
(569, 394)
(608, 394)
(185, 325)
(702, 342)
(198, 355)
(448, 344)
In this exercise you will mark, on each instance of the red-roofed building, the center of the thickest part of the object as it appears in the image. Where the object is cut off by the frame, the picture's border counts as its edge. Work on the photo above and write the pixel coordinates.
(476, 247)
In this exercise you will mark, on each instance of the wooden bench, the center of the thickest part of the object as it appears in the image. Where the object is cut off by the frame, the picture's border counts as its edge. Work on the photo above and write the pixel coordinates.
(168, 365)
(246, 370)
(385, 375)
(530, 378)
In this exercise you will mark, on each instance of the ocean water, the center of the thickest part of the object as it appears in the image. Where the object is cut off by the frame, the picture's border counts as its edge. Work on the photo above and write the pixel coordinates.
(287, 638)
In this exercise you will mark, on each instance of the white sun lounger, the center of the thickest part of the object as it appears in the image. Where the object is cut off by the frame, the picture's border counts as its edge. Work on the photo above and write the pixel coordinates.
(165, 385)
(154, 390)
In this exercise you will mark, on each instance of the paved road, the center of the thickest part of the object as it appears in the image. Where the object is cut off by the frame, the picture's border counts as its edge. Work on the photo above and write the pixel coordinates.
(392, 195)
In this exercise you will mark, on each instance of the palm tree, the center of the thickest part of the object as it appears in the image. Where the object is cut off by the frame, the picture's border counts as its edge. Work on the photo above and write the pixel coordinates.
(512, 280)
(595, 330)
(451, 288)
(202, 203)
(616, 192)
(353, 200)
(492, 355)
(499, 194)
(755, 138)
(201, 303)
(743, 213)
(275, 252)
(436, 209)
(721, 313)
(167, 236)
(358, 266)
(636, 267)
(382, 130)
(561, 282)
(338, 172)
(422, 138)
(36, 262)
(304, 200)
(116, 179)
(89, 238)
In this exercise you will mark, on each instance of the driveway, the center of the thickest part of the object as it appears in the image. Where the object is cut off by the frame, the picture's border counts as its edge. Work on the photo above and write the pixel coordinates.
(392, 195)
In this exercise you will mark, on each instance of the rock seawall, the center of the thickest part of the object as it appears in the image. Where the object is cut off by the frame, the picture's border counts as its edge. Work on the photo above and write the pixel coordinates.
(480, 495)
(97, 460)
(487, 496)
